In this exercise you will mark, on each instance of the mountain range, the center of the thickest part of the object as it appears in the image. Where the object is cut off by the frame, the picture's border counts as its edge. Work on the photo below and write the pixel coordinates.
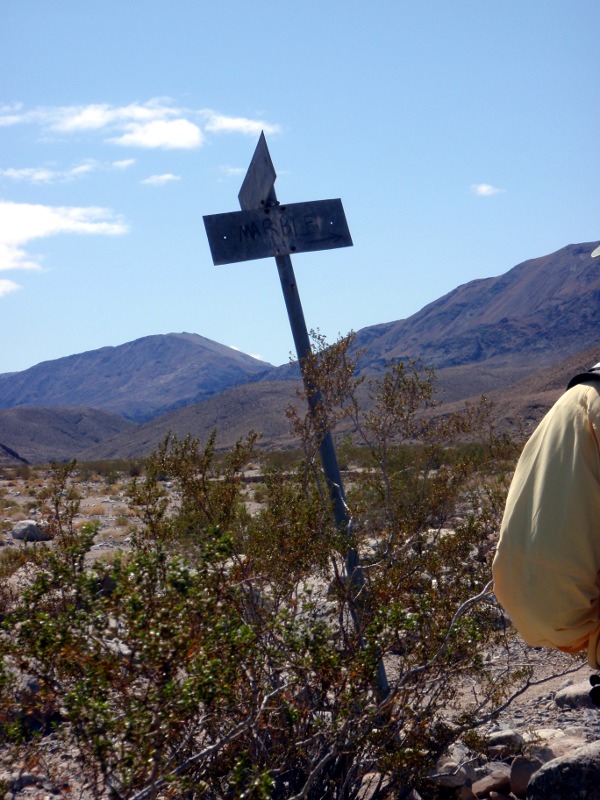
(138, 380)
(517, 338)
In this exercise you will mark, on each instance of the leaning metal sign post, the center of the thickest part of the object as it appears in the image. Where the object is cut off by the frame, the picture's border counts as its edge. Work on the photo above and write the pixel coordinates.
(264, 228)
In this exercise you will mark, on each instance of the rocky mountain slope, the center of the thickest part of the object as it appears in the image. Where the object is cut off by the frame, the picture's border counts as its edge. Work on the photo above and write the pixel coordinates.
(138, 380)
(507, 337)
(517, 408)
(37, 435)
(258, 407)
(488, 333)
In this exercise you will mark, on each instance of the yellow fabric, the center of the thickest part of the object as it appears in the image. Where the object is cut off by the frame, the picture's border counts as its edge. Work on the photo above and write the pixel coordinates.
(546, 567)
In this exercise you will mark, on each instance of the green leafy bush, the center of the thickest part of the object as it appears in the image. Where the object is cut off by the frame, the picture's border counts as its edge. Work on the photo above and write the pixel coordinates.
(228, 655)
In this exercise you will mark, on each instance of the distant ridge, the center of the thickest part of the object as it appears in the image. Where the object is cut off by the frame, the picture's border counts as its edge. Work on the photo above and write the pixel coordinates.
(8, 455)
(503, 337)
(39, 435)
(489, 333)
(517, 409)
(258, 407)
(138, 380)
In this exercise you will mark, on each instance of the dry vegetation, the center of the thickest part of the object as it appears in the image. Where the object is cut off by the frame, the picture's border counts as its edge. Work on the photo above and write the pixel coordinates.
(191, 630)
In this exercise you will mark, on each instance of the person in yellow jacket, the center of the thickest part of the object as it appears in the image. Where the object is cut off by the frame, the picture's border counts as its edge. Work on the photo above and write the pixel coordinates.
(546, 568)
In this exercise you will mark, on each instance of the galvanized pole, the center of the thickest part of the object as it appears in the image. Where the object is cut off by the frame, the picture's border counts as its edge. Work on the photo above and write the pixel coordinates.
(257, 189)
(227, 233)
(326, 449)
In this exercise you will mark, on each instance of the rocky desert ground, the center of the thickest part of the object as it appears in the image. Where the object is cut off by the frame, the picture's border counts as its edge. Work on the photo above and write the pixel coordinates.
(552, 723)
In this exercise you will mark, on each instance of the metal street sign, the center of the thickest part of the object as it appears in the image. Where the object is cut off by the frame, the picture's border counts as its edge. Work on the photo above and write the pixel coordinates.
(277, 230)
(265, 228)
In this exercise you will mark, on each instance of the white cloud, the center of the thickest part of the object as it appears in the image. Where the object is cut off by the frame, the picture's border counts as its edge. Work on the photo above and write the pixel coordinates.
(6, 120)
(485, 189)
(82, 169)
(81, 118)
(98, 116)
(239, 350)
(180, 134)
(232, 172)
(152, 124)
(47, 175)
(160, 180)
(31, 174)
(10, 114)
(158, 123)
(219, 123)
(124, 163)
(21, 223)
(7, 286)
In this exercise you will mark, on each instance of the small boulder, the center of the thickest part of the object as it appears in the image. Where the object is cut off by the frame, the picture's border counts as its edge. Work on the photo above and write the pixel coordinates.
(505, 743)
(28, 530)
(575, 696)
(572, 776)
(497, 780)
(550, 743)
(455, 768)
(521, 770)
(372, 785)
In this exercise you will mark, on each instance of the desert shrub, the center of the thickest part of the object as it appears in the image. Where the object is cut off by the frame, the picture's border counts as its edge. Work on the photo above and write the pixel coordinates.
(12, 559)
(22, 471)
(59, 501)
(109, 470)
(96, 510)
(291, 537)
(230, 656)
(281, 459)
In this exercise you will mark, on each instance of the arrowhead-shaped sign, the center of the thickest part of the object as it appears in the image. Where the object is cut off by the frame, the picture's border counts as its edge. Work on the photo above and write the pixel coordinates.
(257, 188)
(265, 228)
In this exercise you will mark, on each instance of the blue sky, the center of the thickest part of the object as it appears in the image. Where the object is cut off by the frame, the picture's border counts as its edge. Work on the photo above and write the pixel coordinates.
(462, 137)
